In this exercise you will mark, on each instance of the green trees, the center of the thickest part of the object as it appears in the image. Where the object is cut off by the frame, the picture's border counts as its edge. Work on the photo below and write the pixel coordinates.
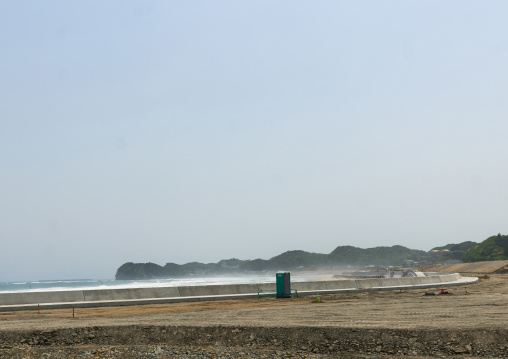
(456, 251)
(297, 260)
(393, 255)
(492, 249)
(139, 271)
(290, 260)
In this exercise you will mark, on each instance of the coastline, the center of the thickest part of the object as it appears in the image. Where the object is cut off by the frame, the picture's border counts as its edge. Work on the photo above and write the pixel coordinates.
(93, 284)
(388, 324)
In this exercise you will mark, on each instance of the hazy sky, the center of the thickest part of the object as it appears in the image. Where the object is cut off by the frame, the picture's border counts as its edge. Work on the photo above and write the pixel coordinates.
(178, 131)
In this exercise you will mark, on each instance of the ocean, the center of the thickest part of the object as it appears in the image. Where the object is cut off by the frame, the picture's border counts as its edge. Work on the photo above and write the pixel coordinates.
(80, 284)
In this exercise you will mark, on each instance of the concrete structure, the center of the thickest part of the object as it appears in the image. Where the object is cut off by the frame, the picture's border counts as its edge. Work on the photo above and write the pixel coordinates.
(138, 296)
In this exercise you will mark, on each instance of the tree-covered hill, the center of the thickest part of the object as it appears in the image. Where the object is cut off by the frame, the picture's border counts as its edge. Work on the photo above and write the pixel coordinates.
(297, 259)
(455, 251)
(492, 249)
(464, 246)
(290, 260)
(374, 256)
(139, 271)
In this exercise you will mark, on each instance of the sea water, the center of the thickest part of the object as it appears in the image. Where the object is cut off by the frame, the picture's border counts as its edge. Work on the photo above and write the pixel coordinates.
(82, 284)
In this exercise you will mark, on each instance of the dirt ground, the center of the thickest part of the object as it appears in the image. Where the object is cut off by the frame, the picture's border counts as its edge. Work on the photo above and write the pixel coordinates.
(488, 267)
(471, 321)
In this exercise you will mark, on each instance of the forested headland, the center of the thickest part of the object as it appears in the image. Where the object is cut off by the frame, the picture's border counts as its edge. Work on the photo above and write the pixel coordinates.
(495, 247)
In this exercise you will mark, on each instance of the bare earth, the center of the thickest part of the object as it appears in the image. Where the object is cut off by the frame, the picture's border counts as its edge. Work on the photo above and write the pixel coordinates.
(469, 322)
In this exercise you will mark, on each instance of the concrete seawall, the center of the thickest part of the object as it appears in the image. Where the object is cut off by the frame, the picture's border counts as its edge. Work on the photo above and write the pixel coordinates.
(136, 296)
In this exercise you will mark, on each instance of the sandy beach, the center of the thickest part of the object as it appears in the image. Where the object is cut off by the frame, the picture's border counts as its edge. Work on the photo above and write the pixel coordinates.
(468, 322)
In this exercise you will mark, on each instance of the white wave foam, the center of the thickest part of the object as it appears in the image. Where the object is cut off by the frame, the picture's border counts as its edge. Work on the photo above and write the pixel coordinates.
(72, 285)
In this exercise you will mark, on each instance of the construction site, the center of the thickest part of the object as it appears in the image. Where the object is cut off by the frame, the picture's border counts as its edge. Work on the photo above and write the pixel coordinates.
(420, 322)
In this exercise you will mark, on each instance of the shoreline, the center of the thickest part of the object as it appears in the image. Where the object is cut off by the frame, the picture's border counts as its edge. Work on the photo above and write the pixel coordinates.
(469, 322)
(189, 280)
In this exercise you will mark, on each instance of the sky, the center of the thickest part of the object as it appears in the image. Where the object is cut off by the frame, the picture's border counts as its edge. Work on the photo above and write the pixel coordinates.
(179, 131)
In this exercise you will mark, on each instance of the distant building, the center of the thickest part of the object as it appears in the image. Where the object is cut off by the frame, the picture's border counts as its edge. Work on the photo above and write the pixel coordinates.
(438, 252)
(409, 263)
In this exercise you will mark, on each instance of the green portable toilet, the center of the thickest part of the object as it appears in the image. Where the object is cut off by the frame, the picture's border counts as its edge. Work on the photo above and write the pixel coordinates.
(283, 285)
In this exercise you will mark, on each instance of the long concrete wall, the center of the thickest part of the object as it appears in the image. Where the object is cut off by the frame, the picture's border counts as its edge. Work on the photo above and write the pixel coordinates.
(129, 293)
(131, 296)
(41, 297)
